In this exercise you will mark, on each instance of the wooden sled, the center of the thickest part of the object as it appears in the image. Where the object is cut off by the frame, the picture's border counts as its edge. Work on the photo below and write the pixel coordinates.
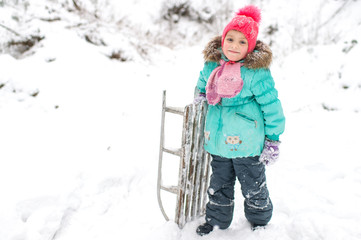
(194, 165)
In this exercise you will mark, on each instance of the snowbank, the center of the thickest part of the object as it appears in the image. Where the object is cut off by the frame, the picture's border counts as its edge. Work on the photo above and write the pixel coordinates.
(80, 131)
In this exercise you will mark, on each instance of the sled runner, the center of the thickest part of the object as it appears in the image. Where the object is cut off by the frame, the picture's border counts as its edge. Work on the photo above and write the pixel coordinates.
(194, 169)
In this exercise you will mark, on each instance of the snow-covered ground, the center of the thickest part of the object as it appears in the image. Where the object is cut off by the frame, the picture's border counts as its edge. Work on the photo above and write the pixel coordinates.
(80, 132)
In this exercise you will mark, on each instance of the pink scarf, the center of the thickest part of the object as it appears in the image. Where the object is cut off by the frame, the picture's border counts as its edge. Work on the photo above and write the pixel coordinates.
(224, 82)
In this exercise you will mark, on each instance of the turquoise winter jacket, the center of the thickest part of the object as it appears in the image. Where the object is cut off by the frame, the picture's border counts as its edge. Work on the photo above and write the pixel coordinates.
(237, 127)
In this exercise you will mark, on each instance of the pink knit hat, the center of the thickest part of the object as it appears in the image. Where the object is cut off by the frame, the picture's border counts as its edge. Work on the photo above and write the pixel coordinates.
(246, 21)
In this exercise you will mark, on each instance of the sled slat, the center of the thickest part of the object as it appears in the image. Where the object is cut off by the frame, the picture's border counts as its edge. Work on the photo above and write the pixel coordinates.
(191, 163)
(171, 189)
(197, 134)
(201, 159)
(177, 152)
(175, 110)
(180, 217)
(205, 181)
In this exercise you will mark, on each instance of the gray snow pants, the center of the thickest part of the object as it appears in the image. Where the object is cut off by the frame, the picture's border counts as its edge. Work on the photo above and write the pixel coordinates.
(251, 175)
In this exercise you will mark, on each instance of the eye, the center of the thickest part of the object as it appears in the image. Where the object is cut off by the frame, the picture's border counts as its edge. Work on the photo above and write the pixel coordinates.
(243, 42)
(229, 39)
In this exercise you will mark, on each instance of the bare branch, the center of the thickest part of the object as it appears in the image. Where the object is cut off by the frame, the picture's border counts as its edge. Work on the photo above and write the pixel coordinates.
(334, 14)
(10, 30)
(76, 5)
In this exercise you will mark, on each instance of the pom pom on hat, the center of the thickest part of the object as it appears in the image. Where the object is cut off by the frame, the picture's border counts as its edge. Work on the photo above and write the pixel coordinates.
(246, 21)
(250, 11)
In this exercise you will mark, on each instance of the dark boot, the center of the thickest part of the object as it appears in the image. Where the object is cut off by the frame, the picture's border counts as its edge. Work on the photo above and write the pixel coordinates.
(204, 229)
(256, 226)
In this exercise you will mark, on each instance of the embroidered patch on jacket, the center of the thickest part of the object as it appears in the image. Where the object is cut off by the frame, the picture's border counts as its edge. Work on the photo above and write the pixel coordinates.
(233, 142)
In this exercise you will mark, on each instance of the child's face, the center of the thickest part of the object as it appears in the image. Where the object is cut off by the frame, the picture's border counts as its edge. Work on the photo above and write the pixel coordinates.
(235, 45)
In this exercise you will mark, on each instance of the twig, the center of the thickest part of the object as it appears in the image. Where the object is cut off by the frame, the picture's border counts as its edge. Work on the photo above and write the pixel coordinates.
(76, 5)
(50, 19)
(10, 30)
(334, 14)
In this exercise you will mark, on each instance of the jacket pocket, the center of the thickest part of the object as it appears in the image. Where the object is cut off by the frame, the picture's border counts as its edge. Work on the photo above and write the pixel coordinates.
(247, 118)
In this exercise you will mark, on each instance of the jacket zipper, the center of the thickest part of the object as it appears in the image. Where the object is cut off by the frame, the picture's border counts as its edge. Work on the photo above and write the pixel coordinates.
(247, 118)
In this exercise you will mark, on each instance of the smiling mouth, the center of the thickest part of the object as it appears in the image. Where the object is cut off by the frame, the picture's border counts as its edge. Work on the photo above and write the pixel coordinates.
(235, 52)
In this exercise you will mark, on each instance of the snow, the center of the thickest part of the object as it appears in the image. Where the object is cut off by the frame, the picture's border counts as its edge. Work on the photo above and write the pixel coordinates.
(80, 132)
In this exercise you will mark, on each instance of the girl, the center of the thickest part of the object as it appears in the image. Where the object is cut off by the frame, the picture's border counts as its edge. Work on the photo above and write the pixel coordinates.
(244, 121)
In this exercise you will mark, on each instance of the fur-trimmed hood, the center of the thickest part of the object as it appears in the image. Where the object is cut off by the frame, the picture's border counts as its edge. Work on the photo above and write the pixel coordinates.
(261, 57)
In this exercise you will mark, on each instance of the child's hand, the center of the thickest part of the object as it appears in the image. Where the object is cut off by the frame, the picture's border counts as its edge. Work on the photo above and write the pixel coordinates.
(200, 98)
(270, 152)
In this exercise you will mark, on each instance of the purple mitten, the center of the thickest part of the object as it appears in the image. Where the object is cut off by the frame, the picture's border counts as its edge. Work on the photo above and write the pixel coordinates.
(200, 98)
(270, 152)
